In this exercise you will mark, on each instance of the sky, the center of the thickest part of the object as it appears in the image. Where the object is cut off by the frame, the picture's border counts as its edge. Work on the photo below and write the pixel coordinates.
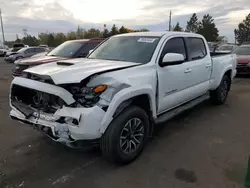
(65, 15)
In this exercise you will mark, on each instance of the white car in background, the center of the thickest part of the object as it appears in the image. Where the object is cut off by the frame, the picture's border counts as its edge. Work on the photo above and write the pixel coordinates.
(226, 48)
(3, 51)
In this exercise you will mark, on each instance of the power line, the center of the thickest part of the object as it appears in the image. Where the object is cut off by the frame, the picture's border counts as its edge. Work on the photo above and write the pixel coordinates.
(2, 26)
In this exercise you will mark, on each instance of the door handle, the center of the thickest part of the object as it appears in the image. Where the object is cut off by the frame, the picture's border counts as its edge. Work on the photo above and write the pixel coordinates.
(188, 70)
(208, 65)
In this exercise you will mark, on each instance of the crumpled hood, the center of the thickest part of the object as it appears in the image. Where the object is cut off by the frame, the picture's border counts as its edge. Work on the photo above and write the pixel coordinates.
(243, 59)
(75, 70)
(37, 60)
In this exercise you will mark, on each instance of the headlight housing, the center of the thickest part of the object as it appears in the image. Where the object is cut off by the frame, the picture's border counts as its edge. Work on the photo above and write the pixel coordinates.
(87, 96)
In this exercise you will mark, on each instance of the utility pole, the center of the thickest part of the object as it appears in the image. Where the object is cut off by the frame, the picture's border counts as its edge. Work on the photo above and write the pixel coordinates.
(2, 26)
(170, 20)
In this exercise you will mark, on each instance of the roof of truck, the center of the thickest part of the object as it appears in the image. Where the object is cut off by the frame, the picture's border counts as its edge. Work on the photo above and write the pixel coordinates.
(159, 33)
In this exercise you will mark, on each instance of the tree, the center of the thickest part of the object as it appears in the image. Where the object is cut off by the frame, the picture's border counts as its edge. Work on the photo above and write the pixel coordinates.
(43, 37)
(92, 33)
(208, 29)
(105, 33)
(72, 35)
(51, 40)
(59, 38)
(30, 40)
(114, 31)
(242, 34)
(177, 27)
(192, 24)
(123, 30)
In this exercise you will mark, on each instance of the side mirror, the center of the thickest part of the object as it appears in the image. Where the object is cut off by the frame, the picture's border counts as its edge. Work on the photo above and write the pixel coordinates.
(172, 59)
(90, 51)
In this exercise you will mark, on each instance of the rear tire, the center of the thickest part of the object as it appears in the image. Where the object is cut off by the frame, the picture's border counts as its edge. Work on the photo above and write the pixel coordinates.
(126, 136)
(219, 95)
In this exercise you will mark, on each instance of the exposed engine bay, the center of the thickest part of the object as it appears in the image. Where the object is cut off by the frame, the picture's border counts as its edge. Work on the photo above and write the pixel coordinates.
(39, 100)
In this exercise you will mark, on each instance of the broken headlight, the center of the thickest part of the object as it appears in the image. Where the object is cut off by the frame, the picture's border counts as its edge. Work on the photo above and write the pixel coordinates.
(88, 96)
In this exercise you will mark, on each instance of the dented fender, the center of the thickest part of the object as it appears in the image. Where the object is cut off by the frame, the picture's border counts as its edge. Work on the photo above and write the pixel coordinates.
(124, 95)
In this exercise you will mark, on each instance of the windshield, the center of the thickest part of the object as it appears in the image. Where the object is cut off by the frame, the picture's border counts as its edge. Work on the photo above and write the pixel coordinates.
(22, 50)
(242, 50)
(226, 48)
(136, 49)
(66, 49)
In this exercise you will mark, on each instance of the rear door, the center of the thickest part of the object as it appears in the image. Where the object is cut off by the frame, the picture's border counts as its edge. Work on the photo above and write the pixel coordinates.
(200, 64)
(29, 52)
(39, 50)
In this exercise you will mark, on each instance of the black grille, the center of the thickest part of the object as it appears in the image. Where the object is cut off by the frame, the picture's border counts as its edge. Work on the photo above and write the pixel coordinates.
(46, 102)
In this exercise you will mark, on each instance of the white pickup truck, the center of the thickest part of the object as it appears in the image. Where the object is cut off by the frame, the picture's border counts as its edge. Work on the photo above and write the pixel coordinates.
(123, 88)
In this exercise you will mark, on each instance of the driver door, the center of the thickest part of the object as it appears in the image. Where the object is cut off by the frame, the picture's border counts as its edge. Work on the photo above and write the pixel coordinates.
(173, 79)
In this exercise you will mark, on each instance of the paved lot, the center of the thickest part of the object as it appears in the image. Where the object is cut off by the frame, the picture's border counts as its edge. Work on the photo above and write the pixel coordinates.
(207, 147)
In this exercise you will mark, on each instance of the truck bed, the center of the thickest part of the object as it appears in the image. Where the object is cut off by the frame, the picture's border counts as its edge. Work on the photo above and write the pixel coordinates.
(212, 54)
(221, 62)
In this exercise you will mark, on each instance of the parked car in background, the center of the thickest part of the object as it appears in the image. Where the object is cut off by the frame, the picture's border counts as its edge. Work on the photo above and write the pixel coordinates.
(40, 54)
(23, 53)
(212, 46)
(18, 46)
(3, 51)
(15, 48)
(243, 59)
(67, 50)
(43, 45)
(124, 87)
(226, 48)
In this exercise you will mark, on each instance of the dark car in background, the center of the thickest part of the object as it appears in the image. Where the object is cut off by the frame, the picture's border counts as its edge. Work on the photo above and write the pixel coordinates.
(243, 59)
(67, 50)
(17, 46)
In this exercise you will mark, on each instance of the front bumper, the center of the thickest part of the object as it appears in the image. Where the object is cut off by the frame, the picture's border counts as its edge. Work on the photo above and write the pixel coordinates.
(10, 59)
(88, 127)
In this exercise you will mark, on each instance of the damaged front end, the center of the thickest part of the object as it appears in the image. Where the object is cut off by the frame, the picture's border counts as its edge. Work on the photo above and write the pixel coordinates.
(53, 110)
(67, 113)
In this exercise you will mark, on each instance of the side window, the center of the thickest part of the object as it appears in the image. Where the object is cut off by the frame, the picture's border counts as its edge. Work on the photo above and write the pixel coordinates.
(39, 49)
(196, 48)
(30, 50)
(88, 46)
(174, 45)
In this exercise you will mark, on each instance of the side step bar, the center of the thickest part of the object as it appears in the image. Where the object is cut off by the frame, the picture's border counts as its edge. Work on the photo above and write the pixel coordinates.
(172, 113)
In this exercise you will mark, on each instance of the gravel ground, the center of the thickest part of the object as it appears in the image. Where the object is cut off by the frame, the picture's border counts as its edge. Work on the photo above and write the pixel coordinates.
(207, 147)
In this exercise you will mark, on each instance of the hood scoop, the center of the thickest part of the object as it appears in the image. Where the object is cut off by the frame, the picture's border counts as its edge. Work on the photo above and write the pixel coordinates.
(64, 63)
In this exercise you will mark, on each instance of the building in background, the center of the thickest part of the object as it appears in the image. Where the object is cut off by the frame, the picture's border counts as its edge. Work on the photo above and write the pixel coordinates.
(222, 40)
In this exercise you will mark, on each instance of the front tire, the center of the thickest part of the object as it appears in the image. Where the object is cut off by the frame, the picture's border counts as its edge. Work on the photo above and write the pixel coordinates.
(126, 136)
(219, 95)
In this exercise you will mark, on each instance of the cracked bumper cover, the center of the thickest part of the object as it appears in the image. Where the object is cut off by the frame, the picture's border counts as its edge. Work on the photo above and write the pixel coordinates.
(90, 119)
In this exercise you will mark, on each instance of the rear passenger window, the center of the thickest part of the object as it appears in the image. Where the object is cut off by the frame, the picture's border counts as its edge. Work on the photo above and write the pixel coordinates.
(196, 48)
(30, 50)
(174, 45)
(40, 50)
